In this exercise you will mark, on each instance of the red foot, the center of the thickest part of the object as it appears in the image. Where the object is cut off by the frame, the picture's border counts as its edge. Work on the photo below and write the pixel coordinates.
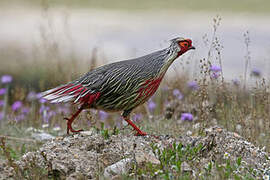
(139, 132)
(70, 120)
(69, 127)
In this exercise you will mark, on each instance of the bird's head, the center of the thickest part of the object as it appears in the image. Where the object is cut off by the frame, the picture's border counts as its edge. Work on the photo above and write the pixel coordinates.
(182, 45)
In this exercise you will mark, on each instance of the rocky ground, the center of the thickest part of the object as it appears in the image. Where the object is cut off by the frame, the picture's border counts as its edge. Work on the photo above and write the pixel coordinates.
(90, 155)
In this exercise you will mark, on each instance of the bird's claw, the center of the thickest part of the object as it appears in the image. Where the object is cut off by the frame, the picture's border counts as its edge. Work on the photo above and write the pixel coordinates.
(69, 127)
(141, 133)
(76, 131)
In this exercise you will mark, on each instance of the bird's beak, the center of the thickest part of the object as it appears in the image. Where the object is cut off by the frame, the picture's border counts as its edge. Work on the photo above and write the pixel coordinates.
(192, 47)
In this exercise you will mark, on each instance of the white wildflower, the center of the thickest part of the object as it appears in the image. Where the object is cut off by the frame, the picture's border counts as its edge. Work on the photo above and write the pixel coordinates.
(45, 125)
(57, 128)
(226, 155)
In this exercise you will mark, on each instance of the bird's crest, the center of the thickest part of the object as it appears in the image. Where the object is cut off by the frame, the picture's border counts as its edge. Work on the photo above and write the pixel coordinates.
(178, 39)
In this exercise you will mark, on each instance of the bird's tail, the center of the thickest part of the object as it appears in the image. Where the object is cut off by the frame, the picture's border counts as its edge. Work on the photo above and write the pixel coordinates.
(64, 93)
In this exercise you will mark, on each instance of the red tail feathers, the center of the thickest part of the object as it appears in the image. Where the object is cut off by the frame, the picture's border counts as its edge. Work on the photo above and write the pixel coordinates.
(71, 93)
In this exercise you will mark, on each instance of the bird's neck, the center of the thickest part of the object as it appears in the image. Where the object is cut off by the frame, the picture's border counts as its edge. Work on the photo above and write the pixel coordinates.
(168, 61)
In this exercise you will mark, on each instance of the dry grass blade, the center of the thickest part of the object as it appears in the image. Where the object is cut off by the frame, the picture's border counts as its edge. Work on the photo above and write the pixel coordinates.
(18, 139)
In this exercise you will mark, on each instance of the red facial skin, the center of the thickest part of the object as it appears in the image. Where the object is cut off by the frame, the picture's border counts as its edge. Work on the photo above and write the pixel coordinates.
(185, 45)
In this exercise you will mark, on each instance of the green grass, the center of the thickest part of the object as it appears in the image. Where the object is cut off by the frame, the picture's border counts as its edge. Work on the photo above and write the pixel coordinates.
(172, 158)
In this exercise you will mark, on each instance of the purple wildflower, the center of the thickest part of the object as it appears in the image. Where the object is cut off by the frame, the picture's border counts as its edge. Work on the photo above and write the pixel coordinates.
(31, 96)
(166, 103)
(137, 117)
(43, 108)
(42, 100)
(38, 95)
(215, 75)
(47, 116)
(6, 79)
(186, 117)
(177, 94)
(193, 85)
(52, 113)
(19, 118)
(93, 111)
(25, 110)
(2, 103)
(256, 72)
(1, 115)
(103, 115)
(2, 91)
(236, 82)
(16, 105)
(151, 105)
(215, 68)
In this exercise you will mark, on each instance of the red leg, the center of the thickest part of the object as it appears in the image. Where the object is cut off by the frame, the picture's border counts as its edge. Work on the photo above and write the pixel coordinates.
(139, 132)
(70, 120)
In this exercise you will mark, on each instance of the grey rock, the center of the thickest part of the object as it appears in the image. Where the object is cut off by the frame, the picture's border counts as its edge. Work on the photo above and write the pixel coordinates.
(143, 158)
(121, 167)
(42, 136)
(185, 167)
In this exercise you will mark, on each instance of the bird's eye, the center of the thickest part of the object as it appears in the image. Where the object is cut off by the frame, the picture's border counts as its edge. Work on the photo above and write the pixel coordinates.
(183, 44)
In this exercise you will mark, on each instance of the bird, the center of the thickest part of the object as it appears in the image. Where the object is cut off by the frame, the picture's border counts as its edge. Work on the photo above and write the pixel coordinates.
(119, 86)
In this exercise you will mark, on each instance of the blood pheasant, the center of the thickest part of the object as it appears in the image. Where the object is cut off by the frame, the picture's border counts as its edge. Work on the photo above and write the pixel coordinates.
(120, 86)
